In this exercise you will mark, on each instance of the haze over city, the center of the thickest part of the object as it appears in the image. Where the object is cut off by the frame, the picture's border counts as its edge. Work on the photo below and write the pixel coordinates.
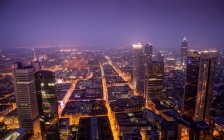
(115, 23)
(111, 70)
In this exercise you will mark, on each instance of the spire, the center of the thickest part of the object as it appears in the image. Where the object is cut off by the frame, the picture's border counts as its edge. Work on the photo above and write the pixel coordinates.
(34, 55)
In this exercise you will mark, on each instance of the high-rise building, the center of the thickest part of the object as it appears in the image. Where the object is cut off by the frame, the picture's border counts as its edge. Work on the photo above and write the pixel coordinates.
(154, 80)
(47, 103)
(199, 84)
(191, 83)
(183, 52)
(148, 52)
(26, 98)
(205, 86)
(36, 65)
(137, 62)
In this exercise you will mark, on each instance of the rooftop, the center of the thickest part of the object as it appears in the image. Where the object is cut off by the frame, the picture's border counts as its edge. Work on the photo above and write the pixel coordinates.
(16, 134)
(132, 119)
(202, 125)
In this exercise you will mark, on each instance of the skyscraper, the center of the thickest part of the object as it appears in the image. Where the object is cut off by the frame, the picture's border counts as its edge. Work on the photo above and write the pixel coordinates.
(154, 80)
(191, 83)
(26, 99)
(36, 65)
(205, 86)
(47, 102)
(148, 52)
(137, 62)
(183, 52)
(199, 85)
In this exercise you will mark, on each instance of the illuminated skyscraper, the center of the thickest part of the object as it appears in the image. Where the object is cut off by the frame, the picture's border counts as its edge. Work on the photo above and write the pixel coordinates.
(183, 51)
(154, 80)
(137, 62)
(205, 86)
(192, 70)
(47, 102)
(148, 52)
(26, 99)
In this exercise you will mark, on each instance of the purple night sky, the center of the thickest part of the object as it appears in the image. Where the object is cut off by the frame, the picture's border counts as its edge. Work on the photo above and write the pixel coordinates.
(109, 23)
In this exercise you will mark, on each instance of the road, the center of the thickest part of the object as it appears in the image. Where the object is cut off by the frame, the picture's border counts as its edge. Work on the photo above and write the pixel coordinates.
(7, 96)
(110, 115)
(69, 93)
(66, 98)
(122, 75)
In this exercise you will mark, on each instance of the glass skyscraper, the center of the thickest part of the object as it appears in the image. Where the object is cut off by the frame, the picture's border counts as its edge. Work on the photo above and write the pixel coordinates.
(191, 83)
(47, 102)
(205, 86)
(199, 85)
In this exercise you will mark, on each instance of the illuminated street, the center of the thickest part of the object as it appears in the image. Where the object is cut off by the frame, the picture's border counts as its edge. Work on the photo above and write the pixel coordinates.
(122, 75)
(112, 70)
(110, 115)
(66, 98)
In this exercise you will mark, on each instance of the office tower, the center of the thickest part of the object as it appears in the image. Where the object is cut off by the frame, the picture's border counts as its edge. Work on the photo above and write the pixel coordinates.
(26, 99)
(137, 61)
(154, 80)
(199, 84)
(205, 86)
(148, 52)
(47, 103)
(183, 52)
(191, 83)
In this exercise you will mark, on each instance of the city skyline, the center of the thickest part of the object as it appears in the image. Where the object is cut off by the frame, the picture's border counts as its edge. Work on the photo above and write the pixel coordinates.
(111, 23)
(111, 70)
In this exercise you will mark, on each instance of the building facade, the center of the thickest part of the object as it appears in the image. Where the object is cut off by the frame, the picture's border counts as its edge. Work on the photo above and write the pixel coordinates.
(205, 86)
(200, 74)
(191, 83)
(137, 63)
(47, 103)
(154, 80)
(26, 99)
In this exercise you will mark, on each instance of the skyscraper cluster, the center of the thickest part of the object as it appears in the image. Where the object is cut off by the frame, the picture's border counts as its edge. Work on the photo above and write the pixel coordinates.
(147, 73)
(187, 117)
(142, 55)
(199, 68)
(36, 100)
